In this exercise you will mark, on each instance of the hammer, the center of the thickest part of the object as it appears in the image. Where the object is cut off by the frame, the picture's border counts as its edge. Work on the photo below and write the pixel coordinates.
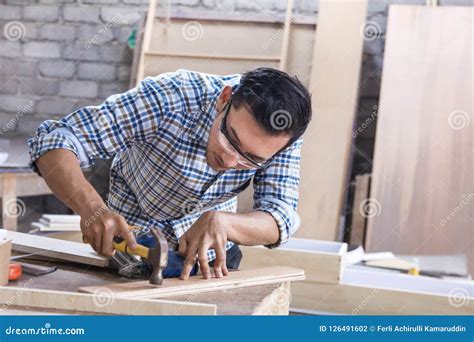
(156, 256)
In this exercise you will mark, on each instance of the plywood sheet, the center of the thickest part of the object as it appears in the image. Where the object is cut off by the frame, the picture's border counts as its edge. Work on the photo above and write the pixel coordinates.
(55, 248)
(196, 284)
(334, 85)
(423, 174)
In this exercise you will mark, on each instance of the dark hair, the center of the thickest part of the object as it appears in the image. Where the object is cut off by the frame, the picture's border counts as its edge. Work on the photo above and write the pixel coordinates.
(278, 101)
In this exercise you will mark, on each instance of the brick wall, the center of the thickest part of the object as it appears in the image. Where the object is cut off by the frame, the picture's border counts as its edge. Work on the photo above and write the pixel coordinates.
(57, 56)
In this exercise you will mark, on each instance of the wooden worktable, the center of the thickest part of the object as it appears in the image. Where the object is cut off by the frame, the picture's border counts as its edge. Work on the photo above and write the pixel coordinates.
(273, 299)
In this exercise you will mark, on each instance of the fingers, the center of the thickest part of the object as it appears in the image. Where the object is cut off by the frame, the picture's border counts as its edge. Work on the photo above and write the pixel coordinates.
(127, 235)
(107, 241)
(203, 263)
(189, 261)
(220, 267)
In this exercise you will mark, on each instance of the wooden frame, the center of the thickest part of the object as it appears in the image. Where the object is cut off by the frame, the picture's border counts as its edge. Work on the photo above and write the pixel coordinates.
(165, 48)
(26, 301)
(322, 261)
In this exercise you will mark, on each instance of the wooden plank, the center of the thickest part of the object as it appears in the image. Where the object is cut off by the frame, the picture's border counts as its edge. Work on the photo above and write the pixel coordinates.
(286, 35)
(5, 253)
(10, 206)
(359, 213)
(322, 261)
(422, 178)
(55, 248)
(101, 302)
(334, 85)
(383, 293)
(145, 43)
(196, 284)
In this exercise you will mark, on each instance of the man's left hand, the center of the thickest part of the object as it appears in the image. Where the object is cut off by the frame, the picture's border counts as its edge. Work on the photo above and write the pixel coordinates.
(207, 232)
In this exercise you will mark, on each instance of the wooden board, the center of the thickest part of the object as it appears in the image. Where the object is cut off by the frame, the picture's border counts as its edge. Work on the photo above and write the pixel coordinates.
(359, 215)
(423, 172)
(55, 248)
(381, 293)
(334, 85)
(101, 302)
(196, 284)
(322, 261)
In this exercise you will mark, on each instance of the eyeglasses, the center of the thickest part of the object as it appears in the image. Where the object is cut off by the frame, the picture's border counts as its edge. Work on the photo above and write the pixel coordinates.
(244, 159)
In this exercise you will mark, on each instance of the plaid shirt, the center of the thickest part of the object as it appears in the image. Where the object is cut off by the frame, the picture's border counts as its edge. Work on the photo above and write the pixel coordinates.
(157, 134)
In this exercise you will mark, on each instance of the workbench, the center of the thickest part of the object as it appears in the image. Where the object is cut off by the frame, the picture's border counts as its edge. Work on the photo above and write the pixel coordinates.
(255, 300)
(17, 180)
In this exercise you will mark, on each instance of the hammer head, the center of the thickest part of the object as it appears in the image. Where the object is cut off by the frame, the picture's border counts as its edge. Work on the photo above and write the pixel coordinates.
(158, 256)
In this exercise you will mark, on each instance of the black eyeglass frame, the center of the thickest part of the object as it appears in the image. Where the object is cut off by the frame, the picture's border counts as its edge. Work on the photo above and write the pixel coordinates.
(224, 131)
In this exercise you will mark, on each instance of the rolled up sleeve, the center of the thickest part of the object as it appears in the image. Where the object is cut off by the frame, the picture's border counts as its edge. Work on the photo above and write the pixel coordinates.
(102, 131)
(276, 191)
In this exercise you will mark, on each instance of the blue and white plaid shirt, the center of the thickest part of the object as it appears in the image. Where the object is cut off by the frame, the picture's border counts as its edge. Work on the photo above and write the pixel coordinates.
(157, 134)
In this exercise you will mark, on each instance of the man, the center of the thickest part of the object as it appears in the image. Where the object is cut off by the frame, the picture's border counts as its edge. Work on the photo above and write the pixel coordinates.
(184, 145)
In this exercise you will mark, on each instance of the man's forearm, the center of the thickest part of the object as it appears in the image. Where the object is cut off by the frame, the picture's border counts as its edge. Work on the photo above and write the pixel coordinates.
(250, 229)
(61, 171)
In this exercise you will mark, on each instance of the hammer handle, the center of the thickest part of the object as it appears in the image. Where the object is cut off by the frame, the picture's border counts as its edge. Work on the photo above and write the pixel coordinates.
(121, 246)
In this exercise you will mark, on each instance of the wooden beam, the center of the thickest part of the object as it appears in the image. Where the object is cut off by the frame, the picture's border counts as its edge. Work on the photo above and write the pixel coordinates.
(286, 36)
(334, 85)
(101, 302)
(55, 248)
(227, 57)
(196, 284)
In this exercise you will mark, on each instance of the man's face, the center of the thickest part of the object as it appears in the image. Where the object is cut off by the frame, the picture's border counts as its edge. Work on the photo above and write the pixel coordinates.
(245, 133)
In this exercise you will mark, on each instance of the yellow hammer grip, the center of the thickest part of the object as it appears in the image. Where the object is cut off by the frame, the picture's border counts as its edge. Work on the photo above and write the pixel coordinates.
(140, 250)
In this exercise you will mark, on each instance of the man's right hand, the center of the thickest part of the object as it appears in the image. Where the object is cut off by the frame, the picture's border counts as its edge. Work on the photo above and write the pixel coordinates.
(100, 226)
